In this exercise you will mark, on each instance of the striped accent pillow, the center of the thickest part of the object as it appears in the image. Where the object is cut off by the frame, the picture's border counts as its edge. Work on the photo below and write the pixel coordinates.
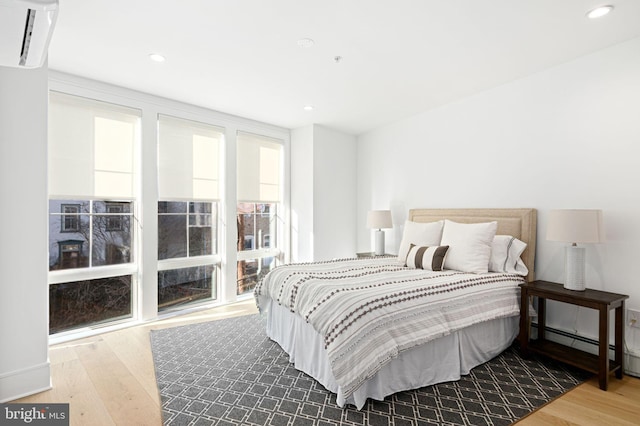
(429, 258)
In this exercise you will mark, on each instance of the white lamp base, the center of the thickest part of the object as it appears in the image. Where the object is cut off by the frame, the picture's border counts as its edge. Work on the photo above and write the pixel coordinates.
(379, 242)
(574, 268)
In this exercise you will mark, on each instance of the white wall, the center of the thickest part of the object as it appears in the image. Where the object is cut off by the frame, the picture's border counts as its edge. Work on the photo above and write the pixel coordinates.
(567, 137)
(334, 193)
(24, 319)
(323, 194)
(302, 194)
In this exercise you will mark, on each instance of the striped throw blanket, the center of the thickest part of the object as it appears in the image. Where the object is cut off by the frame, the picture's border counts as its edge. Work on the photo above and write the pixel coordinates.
(369, 310)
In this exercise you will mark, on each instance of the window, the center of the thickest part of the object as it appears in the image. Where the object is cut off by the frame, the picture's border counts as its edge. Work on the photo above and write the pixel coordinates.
(186, 229)
(259, 170)
(256, 223)
(177, 287)
(114, 220)
(248, 241)
(189, 156)
(111, 232)
(89, 302)
(95, 240)
(92, 174)
(70, 220)
(201, 229)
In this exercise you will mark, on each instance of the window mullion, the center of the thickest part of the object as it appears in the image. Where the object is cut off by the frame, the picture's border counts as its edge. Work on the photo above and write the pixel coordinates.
(71, 275)
(90, 239)
(187, 229)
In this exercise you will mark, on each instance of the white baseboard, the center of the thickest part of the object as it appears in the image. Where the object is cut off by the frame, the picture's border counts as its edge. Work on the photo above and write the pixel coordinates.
(25, 382)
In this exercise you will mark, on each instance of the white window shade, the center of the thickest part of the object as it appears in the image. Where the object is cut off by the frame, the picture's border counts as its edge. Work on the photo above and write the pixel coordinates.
(259, 168)
(91, 148)
(189, 159)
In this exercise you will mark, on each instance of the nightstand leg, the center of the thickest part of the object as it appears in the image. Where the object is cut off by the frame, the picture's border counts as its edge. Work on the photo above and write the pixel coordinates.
(542, 322)
(619, 340)
(524, 323)
(603, 360)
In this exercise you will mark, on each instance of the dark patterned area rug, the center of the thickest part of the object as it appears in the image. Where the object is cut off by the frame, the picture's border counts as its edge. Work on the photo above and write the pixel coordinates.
(227, 372)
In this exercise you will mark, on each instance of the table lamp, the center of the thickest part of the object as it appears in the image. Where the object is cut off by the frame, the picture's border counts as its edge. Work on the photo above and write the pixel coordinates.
(379, 219)
(575, 226)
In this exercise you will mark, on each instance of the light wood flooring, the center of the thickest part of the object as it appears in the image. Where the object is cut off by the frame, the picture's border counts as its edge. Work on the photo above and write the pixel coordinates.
(109, 380)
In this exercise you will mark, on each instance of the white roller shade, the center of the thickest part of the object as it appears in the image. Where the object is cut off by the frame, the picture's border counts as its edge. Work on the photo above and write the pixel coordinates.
(259, 168)
(91, 148)
(189, 159)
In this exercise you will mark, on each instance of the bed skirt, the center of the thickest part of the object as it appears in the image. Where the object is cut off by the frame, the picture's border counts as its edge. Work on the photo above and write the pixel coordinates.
(442, 360)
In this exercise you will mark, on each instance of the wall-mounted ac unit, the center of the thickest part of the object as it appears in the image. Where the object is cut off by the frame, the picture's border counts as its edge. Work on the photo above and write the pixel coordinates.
(25, 31)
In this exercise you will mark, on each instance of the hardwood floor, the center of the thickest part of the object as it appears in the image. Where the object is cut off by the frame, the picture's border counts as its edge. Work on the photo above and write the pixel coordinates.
(109, 380)
(587, 405)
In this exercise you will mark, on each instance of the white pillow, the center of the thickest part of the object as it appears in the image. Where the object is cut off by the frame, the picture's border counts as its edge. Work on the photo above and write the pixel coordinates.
(428, 258)
(505, 255)
(420, 234)
(469, 245)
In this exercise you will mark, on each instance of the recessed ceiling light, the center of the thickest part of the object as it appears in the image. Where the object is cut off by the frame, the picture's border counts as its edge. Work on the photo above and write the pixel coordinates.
(156, 57)
(599, 11)
(305, 42)
(308, 107)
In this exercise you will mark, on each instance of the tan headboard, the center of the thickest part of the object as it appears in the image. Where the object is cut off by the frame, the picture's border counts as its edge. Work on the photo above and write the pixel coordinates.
(520, 223)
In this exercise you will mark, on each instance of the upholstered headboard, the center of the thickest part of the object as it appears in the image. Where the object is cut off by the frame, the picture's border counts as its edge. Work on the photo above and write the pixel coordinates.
(520, 223)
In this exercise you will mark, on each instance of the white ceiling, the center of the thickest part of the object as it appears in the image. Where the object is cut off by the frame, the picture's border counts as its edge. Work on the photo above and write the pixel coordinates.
(400, 57)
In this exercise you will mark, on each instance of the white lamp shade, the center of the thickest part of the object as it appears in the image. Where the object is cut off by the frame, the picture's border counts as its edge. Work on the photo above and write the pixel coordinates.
(575, 226)
(379, 219)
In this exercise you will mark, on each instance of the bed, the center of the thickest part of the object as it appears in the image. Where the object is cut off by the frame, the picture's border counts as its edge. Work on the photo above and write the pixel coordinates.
(370, 327)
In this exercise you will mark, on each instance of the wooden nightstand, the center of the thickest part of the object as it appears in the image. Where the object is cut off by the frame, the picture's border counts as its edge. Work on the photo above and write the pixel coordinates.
(600, 300)
(372, 254)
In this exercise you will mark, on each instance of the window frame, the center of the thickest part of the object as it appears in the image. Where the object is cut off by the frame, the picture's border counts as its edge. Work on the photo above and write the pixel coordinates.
(91, 271)
(214, 260)
(96, 272)
(279, 238)
(262, 252)
(201, 260)
(91, 214)
(192, 126)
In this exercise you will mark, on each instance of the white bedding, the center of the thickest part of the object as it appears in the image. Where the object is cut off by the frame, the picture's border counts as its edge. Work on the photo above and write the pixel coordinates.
(425, 327)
